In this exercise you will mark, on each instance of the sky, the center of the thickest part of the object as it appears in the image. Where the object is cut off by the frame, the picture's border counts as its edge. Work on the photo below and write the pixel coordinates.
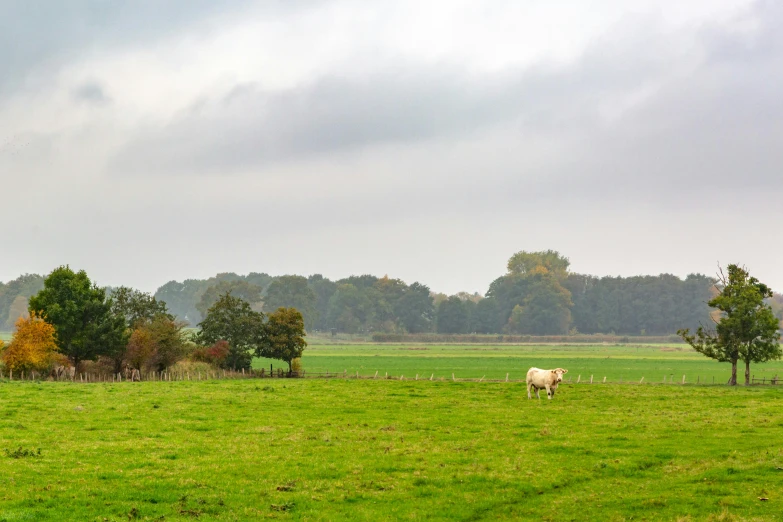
(147, 141)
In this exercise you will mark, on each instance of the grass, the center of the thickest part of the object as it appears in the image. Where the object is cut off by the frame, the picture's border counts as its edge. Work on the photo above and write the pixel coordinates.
(619, 362)
(332, 449)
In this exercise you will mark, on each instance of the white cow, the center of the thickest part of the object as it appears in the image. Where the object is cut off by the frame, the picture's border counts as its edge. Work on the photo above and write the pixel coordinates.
(539, 379)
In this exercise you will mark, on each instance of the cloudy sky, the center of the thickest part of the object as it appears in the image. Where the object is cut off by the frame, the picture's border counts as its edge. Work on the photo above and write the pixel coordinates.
(153, 140)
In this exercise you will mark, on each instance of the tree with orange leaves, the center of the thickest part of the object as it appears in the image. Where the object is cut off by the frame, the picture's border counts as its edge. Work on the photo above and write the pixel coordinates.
(33, 346)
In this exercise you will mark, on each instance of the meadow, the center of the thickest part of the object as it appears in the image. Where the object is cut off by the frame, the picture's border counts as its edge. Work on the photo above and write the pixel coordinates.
(390, 449)
(615, 362)
(347, 449)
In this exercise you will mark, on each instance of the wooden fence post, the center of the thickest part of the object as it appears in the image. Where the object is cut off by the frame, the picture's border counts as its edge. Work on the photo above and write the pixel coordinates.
(506, 377)
(641, 380)
(591, 379)
(402, 377)
(357, 374)
(482, 378)
(683, 379)
(604, 379)
(452, 378)
(578, 378)
(417, 377)
(432, 376)
(376, 374)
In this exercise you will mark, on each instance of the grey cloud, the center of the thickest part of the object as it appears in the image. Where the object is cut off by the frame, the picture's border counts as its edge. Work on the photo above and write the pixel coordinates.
(38, 36)
(251, 128)
(91, 93)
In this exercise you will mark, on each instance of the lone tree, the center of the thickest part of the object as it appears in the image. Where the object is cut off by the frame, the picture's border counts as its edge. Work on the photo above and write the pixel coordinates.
(284, 336)
(81, 314)
(747, 329)
(231, 319)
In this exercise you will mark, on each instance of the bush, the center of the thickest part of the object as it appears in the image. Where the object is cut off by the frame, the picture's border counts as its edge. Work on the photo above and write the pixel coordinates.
(214, 355)
(296, 365)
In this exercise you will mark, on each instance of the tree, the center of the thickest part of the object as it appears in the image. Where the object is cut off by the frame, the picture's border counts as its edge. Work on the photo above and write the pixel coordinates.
(292, 291)
(231, 319)
(525, 262)
(452, 316)
(81, 315)
(238, 288)
(546, 308)
(136, 306)
(415, 309)
(33, 347)
(349, 309)
(747, 329)
(284, 336)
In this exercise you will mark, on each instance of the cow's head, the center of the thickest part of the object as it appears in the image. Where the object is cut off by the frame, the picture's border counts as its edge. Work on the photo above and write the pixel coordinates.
(558, 373)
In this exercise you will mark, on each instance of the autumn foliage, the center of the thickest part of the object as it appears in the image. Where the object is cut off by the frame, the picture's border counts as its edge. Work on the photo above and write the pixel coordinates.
(33, 347)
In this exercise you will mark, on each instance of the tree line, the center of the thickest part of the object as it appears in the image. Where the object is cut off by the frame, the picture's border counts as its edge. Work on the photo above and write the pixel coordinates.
(71, 321)
(538, 295)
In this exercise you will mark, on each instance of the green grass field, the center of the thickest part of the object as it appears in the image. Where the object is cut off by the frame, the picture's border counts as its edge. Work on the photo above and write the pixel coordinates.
(616, 363)
(348, 449)
(318, 449)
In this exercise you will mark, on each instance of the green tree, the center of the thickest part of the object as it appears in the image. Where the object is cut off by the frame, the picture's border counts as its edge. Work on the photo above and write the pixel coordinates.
(292, 291)
(81, 314)
(525, 262)
(747, 329)
(136, 306)
(545, 309)
(232, 319)
(323, 289)
(414, 309)
(238, 288)
(350, 309)
(284, 336)
(453, 316)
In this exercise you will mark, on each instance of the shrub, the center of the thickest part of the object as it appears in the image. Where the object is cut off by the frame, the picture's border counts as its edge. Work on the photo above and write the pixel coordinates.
(33, 347)
(214, 355)
(296, 365)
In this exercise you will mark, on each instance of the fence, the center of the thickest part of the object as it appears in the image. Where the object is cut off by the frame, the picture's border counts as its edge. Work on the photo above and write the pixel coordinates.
(280, 373)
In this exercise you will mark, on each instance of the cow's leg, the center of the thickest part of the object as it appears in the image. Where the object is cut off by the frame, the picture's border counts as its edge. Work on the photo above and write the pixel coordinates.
(553, 390)
(528, 391)
(537, 390)
(548, 392)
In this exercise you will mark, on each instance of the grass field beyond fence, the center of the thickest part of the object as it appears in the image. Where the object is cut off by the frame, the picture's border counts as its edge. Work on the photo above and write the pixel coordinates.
(318, 449)
(615, 362)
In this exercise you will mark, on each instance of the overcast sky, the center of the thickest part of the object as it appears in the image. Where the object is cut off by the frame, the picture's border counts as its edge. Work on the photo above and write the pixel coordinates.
(152, 140)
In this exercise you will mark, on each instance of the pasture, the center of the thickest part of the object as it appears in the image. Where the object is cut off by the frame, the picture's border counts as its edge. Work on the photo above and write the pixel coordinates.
(347, 449)
(615, 362)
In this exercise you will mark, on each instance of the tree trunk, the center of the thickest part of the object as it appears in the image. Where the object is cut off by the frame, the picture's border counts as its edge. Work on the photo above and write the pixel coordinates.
(747, 372)
(733, 380)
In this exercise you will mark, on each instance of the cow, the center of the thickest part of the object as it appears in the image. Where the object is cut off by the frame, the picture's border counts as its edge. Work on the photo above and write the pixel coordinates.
(539, 379)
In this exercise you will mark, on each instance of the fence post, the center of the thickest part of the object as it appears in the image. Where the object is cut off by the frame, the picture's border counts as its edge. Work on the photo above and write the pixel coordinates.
(641, 380)
(506, 377)
(591, 379)
(683, 379)
(402, 377)
(452, 378)
(387, 375)
(376, 374)
(432, 376)
(417, 377)
(604, 379)
(579, 378)
(357, 374)
(698, 379)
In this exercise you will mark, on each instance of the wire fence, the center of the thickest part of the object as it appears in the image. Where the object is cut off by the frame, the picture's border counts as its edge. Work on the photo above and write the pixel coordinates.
(171, 375)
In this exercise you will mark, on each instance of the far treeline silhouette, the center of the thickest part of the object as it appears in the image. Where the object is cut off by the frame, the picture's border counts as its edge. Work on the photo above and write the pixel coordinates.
(538, 295)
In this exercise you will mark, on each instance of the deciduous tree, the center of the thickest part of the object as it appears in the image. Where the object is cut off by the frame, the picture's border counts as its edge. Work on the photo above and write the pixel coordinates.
(81, 314)
(33, 346)
(747, 329)
(284, 336)
(231, 319)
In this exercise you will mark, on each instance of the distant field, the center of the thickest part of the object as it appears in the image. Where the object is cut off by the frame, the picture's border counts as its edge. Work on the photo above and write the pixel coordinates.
(333, 449)
(652, 362)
